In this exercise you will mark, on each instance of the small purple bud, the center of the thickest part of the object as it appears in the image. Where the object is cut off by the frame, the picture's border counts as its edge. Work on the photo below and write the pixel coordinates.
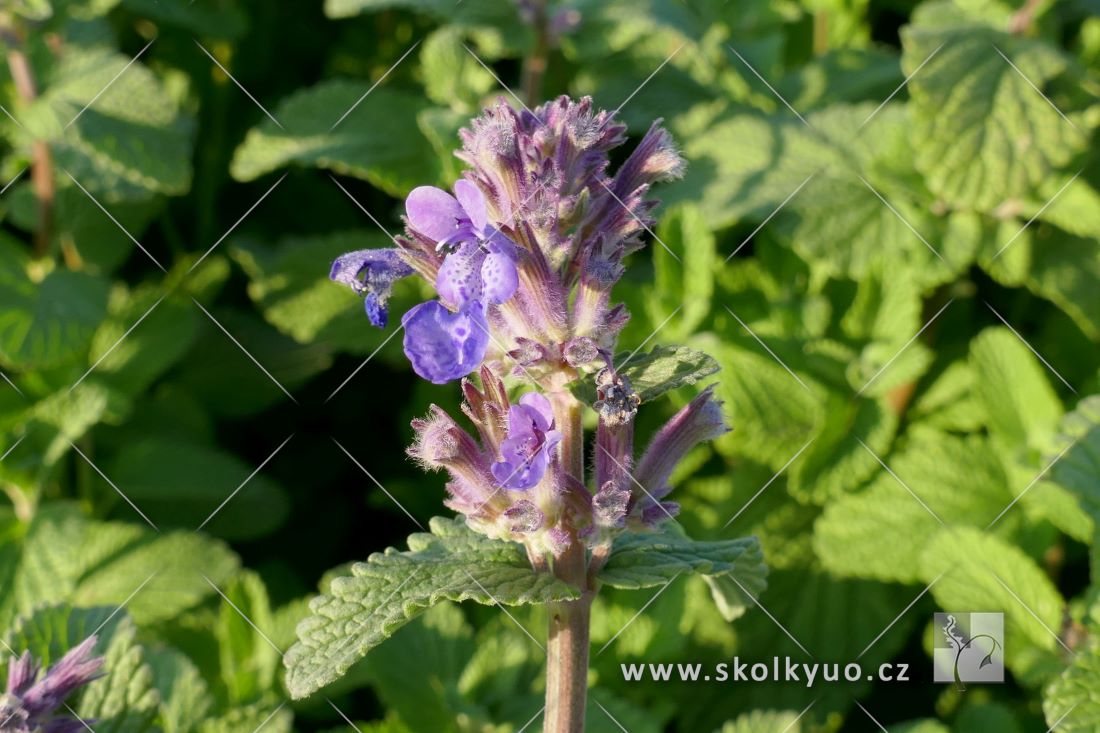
(528, 353)
(442, 444)
(699, 421)
(558, 540)
(610, 505)
(524, 516)
(657, 513)
(581, 351)
(21, 674)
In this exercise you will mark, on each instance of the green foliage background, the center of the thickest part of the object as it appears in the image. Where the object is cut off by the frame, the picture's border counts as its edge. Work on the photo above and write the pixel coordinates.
(901, 282)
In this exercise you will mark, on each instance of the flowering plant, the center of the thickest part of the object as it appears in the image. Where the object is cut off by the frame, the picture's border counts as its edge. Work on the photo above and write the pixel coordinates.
(523, 257)
(30, 704)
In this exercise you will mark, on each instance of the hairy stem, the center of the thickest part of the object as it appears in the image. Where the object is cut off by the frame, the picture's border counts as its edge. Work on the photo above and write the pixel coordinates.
(567, 648)
(534, 65)
(568, 633)
(42, 159)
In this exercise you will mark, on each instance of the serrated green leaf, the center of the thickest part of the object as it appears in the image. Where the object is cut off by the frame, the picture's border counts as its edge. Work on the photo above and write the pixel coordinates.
(983, 134)
(1072, 205)
(772, 415)
(764, 721)
(1012, 386)
(644, 560)
(982, 571)
(684, 271)
(433, 650)
(248, 659)
(185, 697)
(1078, 469)
(379, 140)
(125, 701)
(166, 331)
(667, 368)
(1070, 702)
(45, 319)
(63, 557)
(129, 141)
(50, 426)
(384, 593)
(872, 534)
(836, 461)
(661, 370)
(266, 714)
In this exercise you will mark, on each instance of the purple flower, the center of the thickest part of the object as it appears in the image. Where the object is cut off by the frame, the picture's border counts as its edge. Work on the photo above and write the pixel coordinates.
(525, 453)
(443, 346)
(371, 272)
(29, 704)
(481, 262)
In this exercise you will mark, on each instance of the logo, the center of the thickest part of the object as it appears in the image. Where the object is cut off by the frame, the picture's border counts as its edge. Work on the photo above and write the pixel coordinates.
(969, 647)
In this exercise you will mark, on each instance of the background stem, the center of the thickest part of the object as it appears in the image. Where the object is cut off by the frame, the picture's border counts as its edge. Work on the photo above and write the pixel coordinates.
(42, 160)
(534, 66)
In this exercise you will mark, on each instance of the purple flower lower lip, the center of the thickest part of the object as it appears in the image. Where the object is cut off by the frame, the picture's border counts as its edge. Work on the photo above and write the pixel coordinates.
(371, 273)
(443, 346)
(525, 453)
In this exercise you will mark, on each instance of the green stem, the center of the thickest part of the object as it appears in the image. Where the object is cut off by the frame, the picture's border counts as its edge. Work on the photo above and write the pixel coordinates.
(534, 66)
(568, 633)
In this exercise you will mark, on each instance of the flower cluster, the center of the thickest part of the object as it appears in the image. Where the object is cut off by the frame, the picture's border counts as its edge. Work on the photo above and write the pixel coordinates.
(523, 257)
(30, 704)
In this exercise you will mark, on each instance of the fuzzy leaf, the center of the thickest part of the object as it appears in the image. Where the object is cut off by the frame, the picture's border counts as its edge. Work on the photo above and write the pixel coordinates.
(379, 140)
(1071, 703)
(983, 133)
(646, 559)
(130, 140)
(764, 721)
(381, 595)
(872, 534)
(45, 320)
(63, 557)
(982, 571)
(1014, 388)
(1078, 471)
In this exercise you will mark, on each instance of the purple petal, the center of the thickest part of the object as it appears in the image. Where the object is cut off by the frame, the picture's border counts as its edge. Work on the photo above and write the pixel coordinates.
(459, 279)
(371, 272)
(78, 667)
(470, 198)
(21, 674)
(443, 346)
(542, 413)
(433, 212)
(499, 278)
